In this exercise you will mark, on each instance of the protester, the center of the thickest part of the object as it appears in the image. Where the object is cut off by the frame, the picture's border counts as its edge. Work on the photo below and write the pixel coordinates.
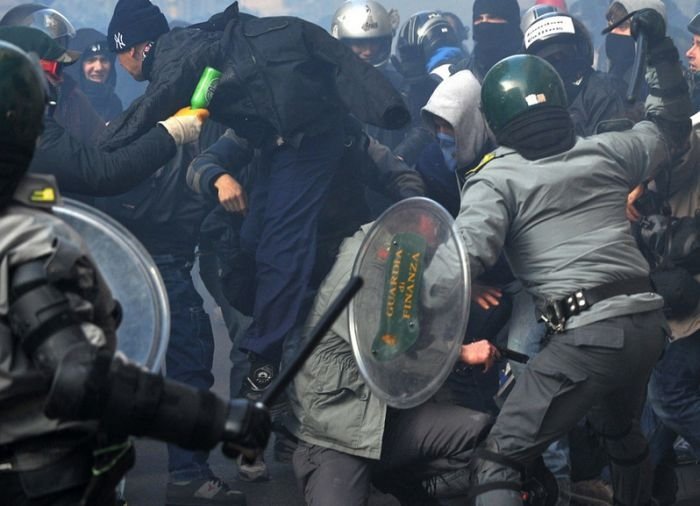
(95, 72)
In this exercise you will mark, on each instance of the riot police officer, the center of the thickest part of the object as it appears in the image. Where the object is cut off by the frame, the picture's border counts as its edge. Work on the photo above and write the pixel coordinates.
(67, 401)
(555, 204)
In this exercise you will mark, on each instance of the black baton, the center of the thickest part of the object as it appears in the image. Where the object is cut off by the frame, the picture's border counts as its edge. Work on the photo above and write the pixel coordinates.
(323, 325)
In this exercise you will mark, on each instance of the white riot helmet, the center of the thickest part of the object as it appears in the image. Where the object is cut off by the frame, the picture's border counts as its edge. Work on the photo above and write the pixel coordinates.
(366, 20)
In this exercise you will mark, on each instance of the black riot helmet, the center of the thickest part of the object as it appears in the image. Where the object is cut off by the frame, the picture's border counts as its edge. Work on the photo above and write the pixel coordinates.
(694, 25)
(43, 18)
(423, 33)
(563, 41)
(22, 103)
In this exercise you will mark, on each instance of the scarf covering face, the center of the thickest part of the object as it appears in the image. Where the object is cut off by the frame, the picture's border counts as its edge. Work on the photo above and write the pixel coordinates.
(539, 132)
(495, 41)
(448, 146)
(620, 50)
(457, 100)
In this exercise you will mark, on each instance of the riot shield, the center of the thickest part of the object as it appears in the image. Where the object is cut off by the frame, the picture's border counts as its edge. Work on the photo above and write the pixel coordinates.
(408, 321)
(133, 279)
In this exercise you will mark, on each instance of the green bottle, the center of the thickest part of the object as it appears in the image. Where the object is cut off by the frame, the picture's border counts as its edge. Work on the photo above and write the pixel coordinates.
(205, 88)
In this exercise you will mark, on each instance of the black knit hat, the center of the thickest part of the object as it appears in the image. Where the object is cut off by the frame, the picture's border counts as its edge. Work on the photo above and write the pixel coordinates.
(506, 9)
(133, 22)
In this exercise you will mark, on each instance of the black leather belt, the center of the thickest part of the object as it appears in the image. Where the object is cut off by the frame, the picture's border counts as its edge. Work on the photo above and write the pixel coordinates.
(556, 313)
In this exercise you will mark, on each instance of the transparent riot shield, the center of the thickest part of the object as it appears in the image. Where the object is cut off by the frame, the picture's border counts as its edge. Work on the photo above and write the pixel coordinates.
(133, 279)
(408, 321)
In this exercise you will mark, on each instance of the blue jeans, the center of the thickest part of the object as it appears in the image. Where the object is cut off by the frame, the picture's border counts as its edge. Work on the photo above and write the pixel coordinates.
(235, 321)
(280, 228)
(190, 353)
(674, 397)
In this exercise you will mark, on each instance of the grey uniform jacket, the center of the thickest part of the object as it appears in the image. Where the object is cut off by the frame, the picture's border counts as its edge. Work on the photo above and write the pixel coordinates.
(332, 405)
(26, 234)
(561, 219)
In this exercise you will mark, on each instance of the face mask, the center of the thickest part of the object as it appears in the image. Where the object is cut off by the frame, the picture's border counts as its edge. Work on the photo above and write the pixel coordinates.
(620, 50)
(571, 75)
(495, 41)
(448, 146)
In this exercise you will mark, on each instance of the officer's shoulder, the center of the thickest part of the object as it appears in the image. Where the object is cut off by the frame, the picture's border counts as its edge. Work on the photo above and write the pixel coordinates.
(487, 161)
(37, 191)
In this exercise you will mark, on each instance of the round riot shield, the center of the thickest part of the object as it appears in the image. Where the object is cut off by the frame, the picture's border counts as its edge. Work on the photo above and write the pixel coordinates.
(408, 321)
(133, 279)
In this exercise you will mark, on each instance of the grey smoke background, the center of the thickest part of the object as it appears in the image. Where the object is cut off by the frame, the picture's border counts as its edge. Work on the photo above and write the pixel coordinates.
(96, 13)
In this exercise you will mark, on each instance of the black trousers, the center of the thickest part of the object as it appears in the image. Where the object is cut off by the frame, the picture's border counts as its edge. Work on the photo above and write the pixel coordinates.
(425, 455)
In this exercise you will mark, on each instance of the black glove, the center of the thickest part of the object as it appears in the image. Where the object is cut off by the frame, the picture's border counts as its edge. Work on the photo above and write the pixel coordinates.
(247, 428)
(650, 23)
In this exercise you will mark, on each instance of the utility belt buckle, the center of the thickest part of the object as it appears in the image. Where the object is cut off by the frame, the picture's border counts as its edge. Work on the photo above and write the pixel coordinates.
(557, 312)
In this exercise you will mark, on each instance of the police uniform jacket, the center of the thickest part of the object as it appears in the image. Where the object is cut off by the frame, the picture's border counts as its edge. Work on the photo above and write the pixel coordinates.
(561, 219)
(28, 231)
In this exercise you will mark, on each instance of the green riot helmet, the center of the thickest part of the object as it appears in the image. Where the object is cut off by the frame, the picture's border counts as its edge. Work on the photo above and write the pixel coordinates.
(22, 98)
(517, 84)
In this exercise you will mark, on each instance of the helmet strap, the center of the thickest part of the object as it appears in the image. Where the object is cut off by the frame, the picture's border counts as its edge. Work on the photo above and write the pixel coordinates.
(541, 131)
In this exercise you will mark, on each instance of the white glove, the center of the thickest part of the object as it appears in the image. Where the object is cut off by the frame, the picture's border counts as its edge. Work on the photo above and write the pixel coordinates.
(184, 126)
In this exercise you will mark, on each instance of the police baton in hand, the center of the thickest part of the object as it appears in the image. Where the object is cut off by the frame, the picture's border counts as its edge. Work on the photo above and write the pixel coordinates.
(323, 326)
(232, 449)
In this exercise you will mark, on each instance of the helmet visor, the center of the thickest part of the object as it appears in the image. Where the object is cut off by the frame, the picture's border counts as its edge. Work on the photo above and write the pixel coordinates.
(51, 22)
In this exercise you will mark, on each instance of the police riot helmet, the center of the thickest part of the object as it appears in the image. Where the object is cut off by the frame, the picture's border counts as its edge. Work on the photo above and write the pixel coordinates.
(516, 85)
(563, 41)
(22, 103)
(48, 20)
(366, 20)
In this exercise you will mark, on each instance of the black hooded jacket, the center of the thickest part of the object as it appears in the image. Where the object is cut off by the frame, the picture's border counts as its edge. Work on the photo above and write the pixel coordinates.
(281, 76)
(101, 95)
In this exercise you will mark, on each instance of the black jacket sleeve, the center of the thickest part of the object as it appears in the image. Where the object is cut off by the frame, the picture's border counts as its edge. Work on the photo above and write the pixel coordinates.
(389, 175)
(89, 171)
(228, 155)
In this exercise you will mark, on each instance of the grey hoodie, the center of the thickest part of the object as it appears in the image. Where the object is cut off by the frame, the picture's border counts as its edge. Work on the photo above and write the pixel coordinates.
(636, 5)
(457, 100)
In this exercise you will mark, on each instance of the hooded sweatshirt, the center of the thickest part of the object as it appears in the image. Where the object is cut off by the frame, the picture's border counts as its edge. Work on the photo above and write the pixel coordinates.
(101, 95)
(456, 100)
(636, 5)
